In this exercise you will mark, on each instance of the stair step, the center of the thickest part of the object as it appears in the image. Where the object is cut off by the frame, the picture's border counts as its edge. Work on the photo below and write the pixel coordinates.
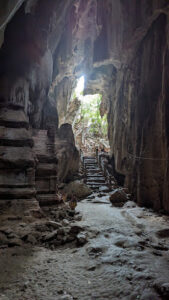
(95, 188)
(91, 168)
(94, 171)
(99, 180)
(90, 159)
(96, 184)
(95, 175)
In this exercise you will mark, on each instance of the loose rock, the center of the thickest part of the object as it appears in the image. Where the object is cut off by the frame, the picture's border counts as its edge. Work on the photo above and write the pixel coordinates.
(50, 236)
(78, 189)
(81, 239)
(118, 198)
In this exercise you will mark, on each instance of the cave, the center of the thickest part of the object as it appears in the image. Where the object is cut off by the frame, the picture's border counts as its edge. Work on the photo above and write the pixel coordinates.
(84, 204)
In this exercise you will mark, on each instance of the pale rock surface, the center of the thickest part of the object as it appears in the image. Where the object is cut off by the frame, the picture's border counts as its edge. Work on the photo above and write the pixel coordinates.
(78, 189)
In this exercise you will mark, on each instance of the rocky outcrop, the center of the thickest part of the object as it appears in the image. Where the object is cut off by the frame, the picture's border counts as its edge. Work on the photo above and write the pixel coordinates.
(135, 42)
(67, 154)
(17, 162)
(78, 189)
(26, 59)
(46, 164)
(138, 129)
(57, 160)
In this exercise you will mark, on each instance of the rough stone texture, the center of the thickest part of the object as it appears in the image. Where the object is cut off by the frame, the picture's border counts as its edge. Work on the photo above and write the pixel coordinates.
(27, 55)
(134, 39)
(118, 197)
(57, 160)
(138, 129)
(123, 51)
(78, 189)
(17, 161)
(67, 154)
(7, 10)
(45, 173)
(26, 59)
(62, 93)
(121, 252)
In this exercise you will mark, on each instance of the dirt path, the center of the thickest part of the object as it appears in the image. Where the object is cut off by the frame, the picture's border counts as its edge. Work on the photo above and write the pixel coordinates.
(126, 257)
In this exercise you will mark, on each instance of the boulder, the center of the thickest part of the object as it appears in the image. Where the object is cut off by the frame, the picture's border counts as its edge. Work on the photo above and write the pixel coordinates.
(82, 239)
(66, 133)
(162, 288)
(65, 222)
(163, 233)
(53, 224)
(50, 236)
(78, 189)
(75, 229)
(118, 197)
(31, 239)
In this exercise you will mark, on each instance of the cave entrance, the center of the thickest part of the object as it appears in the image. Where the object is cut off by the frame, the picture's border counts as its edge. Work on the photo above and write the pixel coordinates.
(90, 129)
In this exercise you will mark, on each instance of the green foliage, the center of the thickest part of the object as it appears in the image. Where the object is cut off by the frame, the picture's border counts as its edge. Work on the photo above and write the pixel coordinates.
(90, 115)
(74, 95)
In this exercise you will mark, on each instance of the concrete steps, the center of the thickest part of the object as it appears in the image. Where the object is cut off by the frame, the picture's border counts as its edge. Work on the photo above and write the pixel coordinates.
(93, 174)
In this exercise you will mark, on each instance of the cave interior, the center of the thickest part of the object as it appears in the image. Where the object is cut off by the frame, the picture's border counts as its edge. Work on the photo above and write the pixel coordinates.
(120, 49)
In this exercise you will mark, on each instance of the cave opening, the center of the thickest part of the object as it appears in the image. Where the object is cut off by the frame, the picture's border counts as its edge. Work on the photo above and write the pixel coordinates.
(89, 127)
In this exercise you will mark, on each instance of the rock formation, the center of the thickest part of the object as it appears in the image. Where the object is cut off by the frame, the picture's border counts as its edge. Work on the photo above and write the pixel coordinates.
(17, 163)
(122, 48)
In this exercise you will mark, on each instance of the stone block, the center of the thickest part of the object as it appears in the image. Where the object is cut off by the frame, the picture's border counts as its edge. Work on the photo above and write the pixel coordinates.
(13, 118)
(16, 157)
(48, 199)
(15, 137)
(17, 193)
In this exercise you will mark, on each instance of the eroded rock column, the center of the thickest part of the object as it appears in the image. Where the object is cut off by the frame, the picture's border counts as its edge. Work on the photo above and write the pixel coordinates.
(17, 161)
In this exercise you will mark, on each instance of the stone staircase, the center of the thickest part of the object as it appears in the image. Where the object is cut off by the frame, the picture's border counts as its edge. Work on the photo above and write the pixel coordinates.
(93, 174)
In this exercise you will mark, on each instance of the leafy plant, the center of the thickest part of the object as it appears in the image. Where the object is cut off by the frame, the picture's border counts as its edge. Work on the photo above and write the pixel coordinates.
(90, 115)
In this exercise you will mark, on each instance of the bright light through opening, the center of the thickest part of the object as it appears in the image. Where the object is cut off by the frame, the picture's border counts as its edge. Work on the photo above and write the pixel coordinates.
(90, 128)
(80, 87)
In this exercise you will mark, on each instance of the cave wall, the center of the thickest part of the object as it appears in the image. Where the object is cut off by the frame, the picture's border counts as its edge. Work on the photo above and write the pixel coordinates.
(7, 11)
(138, 128)
(134, 40)
(26, 74)
(26, 56)
(122, 48)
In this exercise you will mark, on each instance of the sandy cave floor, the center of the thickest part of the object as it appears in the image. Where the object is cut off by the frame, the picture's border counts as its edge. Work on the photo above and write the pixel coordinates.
(126, 257)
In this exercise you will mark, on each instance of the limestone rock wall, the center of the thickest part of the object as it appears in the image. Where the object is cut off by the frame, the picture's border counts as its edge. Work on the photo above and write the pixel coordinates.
(26, 56)
(138, 126)
(33, 30)
(133, 39)
(17, 163)
(7, 10)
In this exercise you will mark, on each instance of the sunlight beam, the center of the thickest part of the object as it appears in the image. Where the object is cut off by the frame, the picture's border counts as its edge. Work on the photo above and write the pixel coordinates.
(80, 86)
